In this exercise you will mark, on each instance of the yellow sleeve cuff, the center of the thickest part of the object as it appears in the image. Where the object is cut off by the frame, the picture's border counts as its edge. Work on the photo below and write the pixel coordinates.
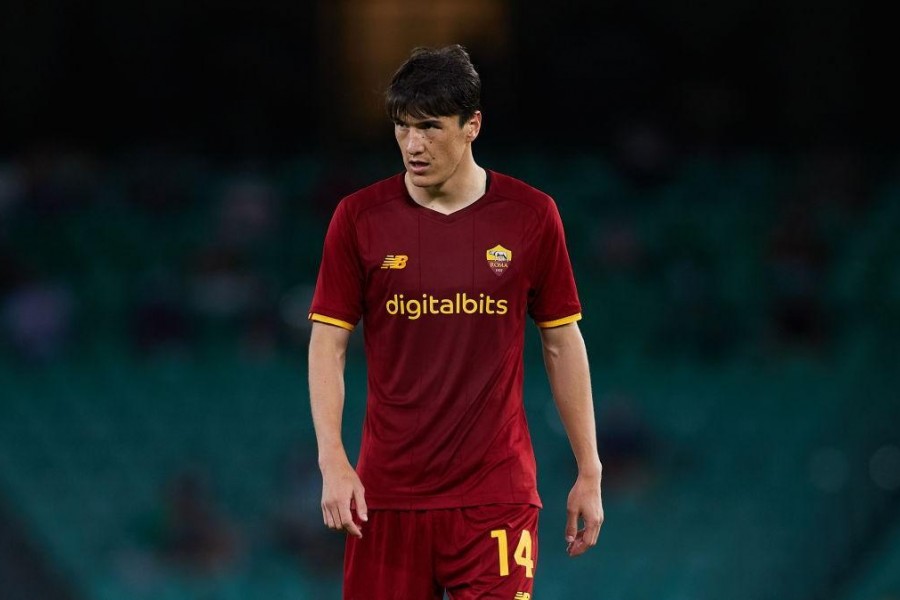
(558, 322)
(337, 322)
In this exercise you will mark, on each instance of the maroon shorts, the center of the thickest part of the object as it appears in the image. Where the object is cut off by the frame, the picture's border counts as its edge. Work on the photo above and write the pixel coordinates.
(480, 552)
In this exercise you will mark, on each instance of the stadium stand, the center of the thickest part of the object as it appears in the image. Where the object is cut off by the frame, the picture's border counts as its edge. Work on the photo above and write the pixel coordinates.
(740, 431)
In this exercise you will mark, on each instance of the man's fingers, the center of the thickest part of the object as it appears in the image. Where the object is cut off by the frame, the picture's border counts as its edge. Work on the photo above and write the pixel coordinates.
(571, 525)
(591, 532)
(330, 520)
(359, 498)
(579, 546)
(353, 529)
(585, 539)
(347, 522)
(340, 519)
(337, 518)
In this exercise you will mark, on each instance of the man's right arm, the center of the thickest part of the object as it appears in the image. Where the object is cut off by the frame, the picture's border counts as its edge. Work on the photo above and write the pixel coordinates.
(340, 483)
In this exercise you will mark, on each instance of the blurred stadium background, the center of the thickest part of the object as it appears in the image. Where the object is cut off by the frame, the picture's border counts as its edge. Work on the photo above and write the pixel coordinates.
(728, 174)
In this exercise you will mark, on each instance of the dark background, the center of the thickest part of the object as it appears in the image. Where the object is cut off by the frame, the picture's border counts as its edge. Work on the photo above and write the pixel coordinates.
(728, 174)
(242, 78)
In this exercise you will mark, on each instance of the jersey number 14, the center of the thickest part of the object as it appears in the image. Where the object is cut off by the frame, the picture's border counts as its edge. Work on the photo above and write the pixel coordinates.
(522, 555)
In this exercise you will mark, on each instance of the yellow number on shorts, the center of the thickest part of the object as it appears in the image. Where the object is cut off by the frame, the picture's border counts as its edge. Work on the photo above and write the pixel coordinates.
(500, 534)
(522, 555)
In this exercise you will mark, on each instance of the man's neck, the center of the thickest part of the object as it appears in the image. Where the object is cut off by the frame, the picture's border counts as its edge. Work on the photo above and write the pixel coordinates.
(458, 192)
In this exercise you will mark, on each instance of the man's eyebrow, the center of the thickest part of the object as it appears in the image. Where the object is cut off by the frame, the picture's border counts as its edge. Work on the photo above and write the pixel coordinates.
(430, 121)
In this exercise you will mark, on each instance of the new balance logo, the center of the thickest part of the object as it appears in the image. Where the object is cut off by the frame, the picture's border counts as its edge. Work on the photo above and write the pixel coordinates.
(395, 261)
(522, 596)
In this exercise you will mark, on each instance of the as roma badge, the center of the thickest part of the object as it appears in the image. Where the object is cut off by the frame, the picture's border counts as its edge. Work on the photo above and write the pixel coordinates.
(498, 259)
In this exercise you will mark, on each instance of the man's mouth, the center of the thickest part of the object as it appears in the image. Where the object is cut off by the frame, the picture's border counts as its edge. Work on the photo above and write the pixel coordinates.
(418, 166)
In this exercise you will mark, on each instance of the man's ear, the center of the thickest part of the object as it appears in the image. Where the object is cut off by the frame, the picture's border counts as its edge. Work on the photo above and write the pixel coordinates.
(474, 126)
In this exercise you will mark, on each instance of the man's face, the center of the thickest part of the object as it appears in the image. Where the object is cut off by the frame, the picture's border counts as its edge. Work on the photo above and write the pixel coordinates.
(433, 147)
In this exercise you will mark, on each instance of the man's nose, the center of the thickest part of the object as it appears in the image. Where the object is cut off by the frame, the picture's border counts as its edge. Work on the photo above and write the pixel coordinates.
(415, 142)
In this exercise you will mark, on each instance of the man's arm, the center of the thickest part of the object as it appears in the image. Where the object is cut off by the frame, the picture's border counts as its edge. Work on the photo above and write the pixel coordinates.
(340, 483)
(565, 358)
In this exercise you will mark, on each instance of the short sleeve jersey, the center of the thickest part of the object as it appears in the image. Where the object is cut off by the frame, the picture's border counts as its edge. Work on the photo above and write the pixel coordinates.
(444, 300)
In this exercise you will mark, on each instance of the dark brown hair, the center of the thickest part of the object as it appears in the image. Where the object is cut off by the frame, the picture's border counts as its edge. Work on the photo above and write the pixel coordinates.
(435, 82)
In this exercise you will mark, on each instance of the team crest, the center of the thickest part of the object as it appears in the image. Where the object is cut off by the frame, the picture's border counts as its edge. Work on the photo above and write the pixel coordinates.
(498, 259)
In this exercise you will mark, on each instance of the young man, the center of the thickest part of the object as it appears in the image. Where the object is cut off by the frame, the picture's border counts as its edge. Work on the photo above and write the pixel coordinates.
(443, 263)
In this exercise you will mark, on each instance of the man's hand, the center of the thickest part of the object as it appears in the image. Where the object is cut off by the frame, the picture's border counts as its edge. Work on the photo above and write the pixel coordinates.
(585, 503)
(340, 486)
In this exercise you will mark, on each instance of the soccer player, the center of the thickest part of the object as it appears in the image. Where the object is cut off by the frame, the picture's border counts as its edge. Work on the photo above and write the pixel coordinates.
(443, 262)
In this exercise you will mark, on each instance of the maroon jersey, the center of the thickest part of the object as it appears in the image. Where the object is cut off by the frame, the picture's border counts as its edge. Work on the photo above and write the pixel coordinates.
(444, 299)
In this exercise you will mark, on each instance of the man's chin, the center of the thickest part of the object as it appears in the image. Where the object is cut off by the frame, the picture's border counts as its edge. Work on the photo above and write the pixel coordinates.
(422, 181)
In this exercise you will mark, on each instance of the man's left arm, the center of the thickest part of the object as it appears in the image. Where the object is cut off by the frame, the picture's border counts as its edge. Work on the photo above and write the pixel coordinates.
(565, 358)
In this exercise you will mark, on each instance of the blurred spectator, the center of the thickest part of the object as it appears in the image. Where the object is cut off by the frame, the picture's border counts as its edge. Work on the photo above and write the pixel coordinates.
(12, 191)
(833, 180)
(190, 532)
(159, 321)
(617, 246)
(695, 322)
(297, 522)
(625, 443)
(11, 271)
(796, 262)
(58, 180)
(222, 286)
(37, 318)
(261, 334)
(226, 288)
(246, 213)
(159, 181)
(338, 180)
(642, 151)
